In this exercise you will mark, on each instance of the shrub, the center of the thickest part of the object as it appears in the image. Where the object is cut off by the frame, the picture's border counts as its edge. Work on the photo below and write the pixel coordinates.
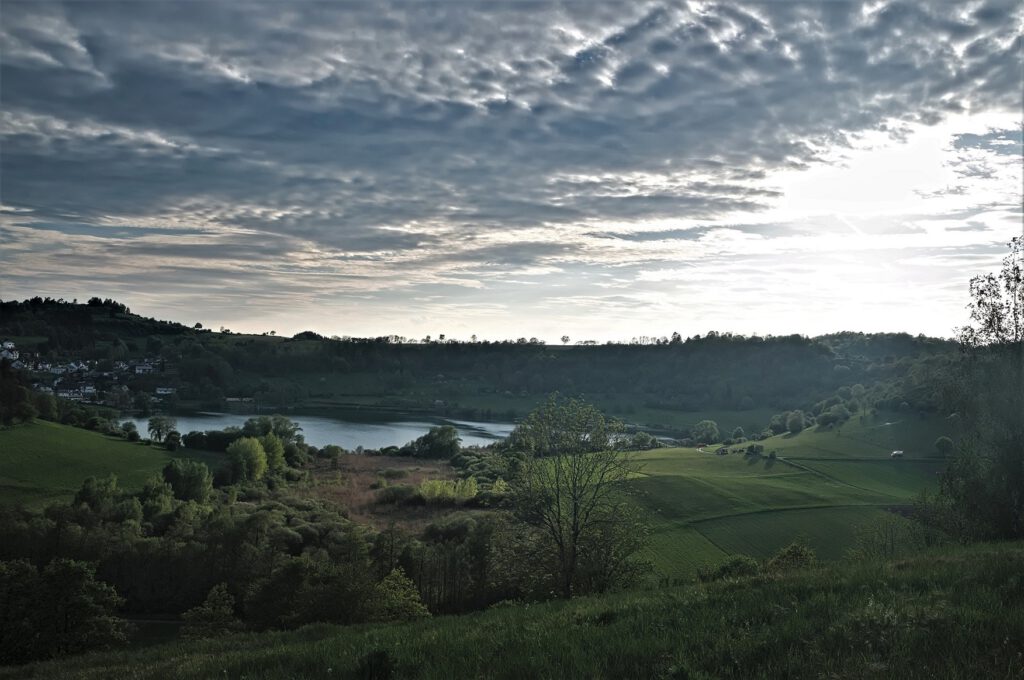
(330, 451)
(944, 446)
(398, 495)
(214, 617)
(393, 473)
(796, 555)
(736, 566)
(396, 599)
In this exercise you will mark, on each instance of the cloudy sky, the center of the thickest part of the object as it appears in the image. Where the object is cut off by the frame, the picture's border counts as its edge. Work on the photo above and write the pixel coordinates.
(521, 169)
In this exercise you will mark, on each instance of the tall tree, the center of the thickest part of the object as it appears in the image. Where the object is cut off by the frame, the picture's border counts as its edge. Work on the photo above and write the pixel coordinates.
(248, 459)
(982, 491)
(567, 489)
(159, 426)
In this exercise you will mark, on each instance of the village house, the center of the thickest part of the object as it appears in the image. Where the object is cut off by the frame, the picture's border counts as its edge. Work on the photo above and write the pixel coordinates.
(143, 369)
(7, 344)
(162, 391)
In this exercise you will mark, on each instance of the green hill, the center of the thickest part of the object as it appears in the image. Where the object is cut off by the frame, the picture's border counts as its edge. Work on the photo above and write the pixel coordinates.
(819, 488)
(955, 613)
(42, 462)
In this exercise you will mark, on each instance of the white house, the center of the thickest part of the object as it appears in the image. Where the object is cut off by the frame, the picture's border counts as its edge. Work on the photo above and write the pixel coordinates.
(6, 353)
(7, 345)
(165, 390)
(143, 369)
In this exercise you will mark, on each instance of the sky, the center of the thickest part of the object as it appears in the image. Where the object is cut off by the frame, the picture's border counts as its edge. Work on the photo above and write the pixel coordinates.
(597, 170)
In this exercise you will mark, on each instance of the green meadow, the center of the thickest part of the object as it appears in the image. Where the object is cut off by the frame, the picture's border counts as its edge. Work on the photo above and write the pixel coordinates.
(819, 488)
(951, 613)
(44, 462)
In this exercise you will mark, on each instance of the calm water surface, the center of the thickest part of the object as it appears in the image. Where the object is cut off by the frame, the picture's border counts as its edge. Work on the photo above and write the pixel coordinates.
(321, 431)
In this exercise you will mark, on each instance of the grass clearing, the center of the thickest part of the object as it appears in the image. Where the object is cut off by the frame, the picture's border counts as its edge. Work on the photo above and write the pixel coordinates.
(43, 462)
(829, 530)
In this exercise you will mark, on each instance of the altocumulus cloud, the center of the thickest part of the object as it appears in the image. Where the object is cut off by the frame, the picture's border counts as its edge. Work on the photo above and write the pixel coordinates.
(361, 157)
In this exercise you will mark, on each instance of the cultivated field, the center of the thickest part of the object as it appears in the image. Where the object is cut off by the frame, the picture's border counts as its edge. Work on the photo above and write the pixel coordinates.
(819, 488)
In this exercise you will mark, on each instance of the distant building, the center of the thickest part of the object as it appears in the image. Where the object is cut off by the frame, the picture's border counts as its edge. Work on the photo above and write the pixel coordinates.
(143, 369)
(8, 353)
(7, 344)
(165, 390)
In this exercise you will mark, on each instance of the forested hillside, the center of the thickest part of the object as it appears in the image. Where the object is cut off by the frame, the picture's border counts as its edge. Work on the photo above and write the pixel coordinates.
(642, 382)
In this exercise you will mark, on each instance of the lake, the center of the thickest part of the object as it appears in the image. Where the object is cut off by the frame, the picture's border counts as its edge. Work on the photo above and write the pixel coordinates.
(370, 434)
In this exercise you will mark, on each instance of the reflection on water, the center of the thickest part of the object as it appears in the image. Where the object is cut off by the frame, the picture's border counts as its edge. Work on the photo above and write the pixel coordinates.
(370, 434)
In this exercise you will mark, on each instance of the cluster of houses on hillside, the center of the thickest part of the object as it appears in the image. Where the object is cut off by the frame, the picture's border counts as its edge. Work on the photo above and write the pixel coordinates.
(84, 380)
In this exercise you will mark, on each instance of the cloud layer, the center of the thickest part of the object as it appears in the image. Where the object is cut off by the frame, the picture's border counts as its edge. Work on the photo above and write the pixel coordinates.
(422, 164)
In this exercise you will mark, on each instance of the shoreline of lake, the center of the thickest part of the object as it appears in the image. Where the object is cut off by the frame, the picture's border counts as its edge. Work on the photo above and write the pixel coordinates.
(370, 432)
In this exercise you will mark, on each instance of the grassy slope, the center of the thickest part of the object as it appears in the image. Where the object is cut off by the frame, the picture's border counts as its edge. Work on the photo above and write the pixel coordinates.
(44, 462)
(956, 613)
(704, 507)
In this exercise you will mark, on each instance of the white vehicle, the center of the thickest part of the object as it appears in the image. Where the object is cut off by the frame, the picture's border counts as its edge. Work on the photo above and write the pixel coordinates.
(896, 454)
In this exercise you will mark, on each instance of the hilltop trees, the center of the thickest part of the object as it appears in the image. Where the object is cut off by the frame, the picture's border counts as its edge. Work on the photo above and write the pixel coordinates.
(567, 490)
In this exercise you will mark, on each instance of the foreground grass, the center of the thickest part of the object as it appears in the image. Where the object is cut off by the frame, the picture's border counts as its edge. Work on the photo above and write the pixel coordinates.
(957, 613)
(43, 462)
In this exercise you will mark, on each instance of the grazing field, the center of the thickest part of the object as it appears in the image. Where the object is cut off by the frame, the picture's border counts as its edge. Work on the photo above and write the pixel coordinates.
(819, 488)
(953, 613)
(44, 462)
(875, 438)
(830, 531)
